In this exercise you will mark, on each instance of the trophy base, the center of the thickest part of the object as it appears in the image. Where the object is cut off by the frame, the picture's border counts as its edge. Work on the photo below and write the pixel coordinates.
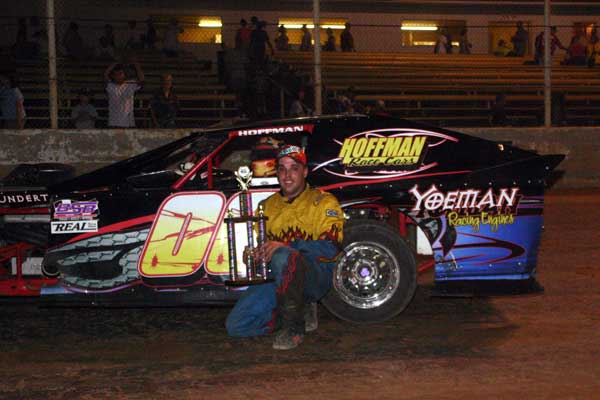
(248, 282)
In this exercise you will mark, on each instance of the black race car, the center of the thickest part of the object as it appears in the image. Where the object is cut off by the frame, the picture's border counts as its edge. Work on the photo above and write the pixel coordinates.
(151, 230)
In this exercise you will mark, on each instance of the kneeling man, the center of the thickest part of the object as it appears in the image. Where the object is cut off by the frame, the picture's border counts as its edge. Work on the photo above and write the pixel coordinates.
(304, 236)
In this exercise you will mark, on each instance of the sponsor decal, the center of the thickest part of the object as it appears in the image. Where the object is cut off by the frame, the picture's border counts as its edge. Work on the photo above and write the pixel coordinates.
(273, 130)
(58, 227)
(402, 151)
(74, 210)
(384, 153)
(74, 216)
(331, 213)
(31, 198)
(484, 218)
(469, 207)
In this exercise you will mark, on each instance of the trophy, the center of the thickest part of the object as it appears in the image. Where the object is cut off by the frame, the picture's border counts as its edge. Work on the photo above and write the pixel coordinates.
(255, 269)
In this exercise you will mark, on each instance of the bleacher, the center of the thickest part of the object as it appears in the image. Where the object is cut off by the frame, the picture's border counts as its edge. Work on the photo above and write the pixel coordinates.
(456, 89)
(203, 100)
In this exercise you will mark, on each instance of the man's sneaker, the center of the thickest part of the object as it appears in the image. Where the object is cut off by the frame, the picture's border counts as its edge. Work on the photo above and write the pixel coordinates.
(286, 340)
(311, 321)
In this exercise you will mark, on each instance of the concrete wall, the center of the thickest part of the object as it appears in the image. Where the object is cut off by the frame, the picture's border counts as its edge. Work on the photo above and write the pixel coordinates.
(87, 150)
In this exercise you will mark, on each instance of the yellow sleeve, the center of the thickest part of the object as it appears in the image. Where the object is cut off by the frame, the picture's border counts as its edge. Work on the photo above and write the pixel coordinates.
(328, 218)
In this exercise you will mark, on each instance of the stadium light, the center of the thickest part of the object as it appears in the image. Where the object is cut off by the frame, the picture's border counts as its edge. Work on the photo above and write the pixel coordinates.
(419, 28)
(294, 24)
(210, 23)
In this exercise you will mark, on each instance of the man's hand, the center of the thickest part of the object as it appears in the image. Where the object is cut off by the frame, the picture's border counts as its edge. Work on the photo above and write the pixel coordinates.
(266, 250)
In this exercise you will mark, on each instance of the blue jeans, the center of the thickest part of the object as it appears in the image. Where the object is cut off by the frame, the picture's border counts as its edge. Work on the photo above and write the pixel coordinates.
(256, 311)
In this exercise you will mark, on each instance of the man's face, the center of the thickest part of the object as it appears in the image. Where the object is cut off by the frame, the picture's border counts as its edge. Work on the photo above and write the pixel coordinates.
(292, 176)
(167, 82)
(119, 76)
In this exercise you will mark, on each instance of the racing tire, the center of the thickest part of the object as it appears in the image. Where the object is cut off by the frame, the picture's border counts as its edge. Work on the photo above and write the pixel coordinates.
(375, 276)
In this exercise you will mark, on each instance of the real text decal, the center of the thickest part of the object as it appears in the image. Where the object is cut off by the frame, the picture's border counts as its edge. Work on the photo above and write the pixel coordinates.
(58, 227)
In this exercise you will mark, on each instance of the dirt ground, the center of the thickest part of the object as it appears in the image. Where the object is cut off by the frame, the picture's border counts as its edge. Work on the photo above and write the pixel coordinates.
(530, 346)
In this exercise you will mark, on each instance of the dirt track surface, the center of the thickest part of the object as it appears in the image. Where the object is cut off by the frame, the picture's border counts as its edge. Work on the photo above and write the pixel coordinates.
(529, 347)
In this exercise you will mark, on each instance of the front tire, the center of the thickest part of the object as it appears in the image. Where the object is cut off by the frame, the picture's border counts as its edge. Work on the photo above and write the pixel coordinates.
(375, 277)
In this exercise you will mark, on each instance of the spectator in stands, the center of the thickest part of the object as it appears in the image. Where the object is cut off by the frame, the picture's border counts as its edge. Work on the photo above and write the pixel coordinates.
(165, 104)
(150, 34)
(38, 36)
(12, 109)
(20, 46)
(441, 44)
(171, 42)
(73, 43)
(593, 50)
(27, 46)
(519, 40)
(464, 46)
(448, 41)
(298, 108)
(502, 49)
(306, 43)
(259, 41)
(346, 39)
(330, 42)
(242, 36)
(133, 36)
(105, 51)
(282, 42)
(84, 114)
(121, 94)
(539, 45)
(380, 109)
(109, 36)
(577, 52)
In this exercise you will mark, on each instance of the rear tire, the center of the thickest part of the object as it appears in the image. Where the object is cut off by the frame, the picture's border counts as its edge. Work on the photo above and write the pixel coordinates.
(375, 277)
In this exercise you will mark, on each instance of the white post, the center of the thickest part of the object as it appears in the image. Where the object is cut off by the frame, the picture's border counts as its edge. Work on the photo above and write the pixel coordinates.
(547, 67)
(317, 57)
(53, 97)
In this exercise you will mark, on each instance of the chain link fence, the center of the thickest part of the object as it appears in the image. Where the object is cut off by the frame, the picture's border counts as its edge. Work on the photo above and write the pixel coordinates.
(148, 68)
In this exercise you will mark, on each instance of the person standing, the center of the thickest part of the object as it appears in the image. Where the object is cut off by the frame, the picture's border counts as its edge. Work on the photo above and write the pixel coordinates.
(519, 40)
(301, 263)
(297, 108)
(171, 42)
(165, 104)
(539, 45)
(441, 44)
(464, 46)
(121, 94)
(84, 114)
(330, 43)
(306, 43)
(259, 41)
(346, 39)
(242, 36)
(11, 104)
(282, 42)
(150, 34)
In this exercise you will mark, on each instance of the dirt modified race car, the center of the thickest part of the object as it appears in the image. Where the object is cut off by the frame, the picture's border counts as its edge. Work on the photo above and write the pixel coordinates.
(150, 229)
